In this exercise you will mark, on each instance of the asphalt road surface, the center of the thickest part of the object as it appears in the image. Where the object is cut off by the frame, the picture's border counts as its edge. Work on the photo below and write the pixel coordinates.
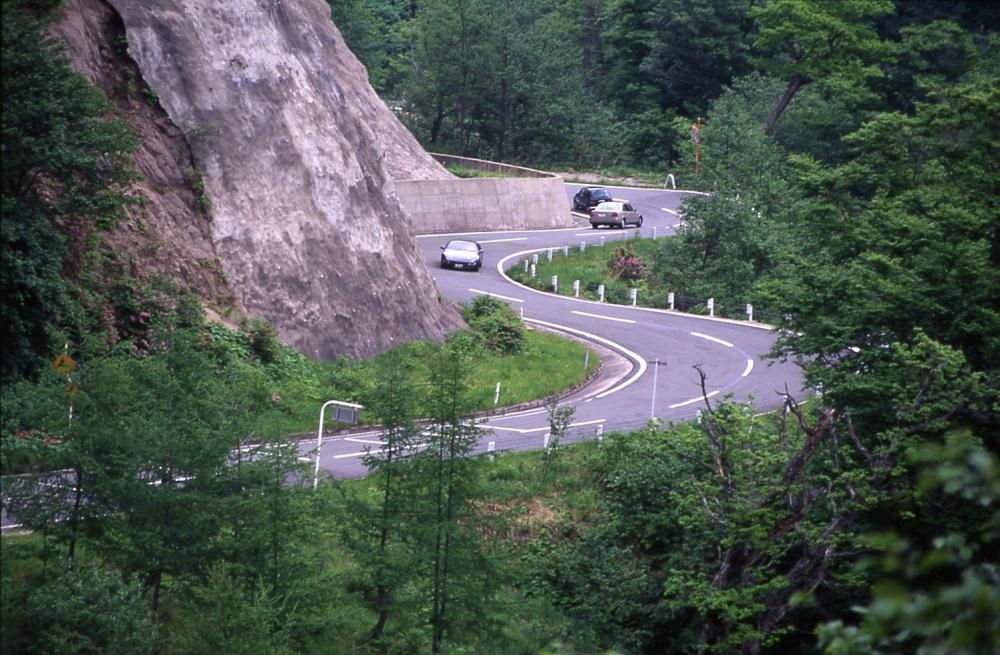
(630, 340)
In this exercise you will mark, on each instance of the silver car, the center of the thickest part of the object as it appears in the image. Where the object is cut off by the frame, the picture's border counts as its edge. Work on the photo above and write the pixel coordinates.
(615, 213)
(459, 253)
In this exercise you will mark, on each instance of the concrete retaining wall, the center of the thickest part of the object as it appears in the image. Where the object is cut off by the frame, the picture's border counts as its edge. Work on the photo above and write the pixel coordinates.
(533, 200)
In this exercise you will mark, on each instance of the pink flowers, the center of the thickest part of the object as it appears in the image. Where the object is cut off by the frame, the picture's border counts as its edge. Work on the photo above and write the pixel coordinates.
(625, 265)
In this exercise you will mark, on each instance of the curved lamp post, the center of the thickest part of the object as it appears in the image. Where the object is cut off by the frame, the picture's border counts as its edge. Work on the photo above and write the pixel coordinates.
(346, 412)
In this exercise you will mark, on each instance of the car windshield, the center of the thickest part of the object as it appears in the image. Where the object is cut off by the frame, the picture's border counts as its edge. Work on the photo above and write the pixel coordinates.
(600, 194)
(462, 245)
(609, 206)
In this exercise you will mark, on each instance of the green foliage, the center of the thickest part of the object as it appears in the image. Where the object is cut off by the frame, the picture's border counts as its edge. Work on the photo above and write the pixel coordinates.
(225, 615)
(493, 320)
(65, 168)
(802, 42)
(85, 609)
(263, 338)
(942, 596)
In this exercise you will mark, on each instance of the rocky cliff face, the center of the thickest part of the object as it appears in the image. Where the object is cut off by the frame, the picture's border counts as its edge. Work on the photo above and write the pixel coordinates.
(296, 156)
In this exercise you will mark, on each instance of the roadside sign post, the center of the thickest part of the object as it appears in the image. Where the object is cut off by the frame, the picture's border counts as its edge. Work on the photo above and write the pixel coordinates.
(696, 137)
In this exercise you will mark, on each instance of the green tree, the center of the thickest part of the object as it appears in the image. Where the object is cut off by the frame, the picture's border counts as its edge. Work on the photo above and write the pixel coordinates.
(801, 42)
(65, 168)
(943, 595)
(460, 576)
(84, 609)
(226, 615)
(387, 553)
(698, 48)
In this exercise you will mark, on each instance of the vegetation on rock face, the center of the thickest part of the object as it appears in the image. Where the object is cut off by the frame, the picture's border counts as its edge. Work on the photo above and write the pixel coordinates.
(65, 168)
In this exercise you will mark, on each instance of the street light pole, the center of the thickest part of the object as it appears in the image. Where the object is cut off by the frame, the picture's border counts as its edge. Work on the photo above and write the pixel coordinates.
(353, 410)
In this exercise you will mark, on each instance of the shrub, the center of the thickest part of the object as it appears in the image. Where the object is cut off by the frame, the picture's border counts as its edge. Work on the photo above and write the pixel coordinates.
(500, 329)
(626, 266)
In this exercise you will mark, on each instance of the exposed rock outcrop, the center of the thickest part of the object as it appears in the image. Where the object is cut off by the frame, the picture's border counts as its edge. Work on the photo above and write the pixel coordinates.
(296, 155)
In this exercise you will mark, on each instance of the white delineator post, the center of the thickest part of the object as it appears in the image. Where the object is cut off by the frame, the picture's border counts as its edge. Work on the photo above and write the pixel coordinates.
(555, 284)
(491, 448)
(652, 403)
(711, 306)
(632, 295)
(749, 312)
(600, 292)
(576, 288)
(496, 396)
(583, 246)
(532, 270)
(670, 299)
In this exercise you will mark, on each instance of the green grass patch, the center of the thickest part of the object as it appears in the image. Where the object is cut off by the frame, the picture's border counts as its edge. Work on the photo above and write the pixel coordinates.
(545, 365)
(465, 173)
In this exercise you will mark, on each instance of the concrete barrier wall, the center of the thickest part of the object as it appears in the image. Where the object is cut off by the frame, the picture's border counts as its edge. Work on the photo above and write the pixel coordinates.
(535, 201)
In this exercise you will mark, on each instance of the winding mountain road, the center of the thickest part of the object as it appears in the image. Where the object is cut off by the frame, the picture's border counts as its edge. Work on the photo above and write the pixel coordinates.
(631, 340)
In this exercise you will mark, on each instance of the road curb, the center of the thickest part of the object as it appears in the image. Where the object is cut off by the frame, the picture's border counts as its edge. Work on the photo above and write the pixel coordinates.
(602, 352)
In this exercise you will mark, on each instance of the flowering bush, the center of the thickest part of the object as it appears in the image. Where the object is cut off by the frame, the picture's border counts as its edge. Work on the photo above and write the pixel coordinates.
(626, 266)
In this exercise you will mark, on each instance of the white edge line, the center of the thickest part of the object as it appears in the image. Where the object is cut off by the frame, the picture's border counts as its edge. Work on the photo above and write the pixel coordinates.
(527, 412)
(747, 370)
(495, 295)
(545, 428)
(607, 342)
(606, 318)
(346, 455)
(711, 338)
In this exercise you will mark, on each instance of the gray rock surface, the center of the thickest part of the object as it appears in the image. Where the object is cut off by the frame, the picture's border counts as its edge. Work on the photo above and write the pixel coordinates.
(298, 156)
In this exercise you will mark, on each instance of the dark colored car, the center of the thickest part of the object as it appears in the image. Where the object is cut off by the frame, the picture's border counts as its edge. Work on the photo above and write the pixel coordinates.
(459, 253)
(589, 197)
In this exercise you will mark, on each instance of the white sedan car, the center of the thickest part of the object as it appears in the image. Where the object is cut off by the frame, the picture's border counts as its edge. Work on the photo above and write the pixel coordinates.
(615, 213)
(459, 253)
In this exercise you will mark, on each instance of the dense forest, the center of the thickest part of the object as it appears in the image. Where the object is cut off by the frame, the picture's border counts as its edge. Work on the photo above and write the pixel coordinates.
(850, 152)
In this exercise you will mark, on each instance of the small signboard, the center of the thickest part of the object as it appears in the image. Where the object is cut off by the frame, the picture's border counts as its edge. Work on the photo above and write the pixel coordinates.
(64, 364)
(345, 414)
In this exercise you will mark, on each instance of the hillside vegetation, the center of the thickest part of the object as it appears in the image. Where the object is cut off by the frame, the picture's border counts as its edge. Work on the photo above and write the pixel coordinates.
(850, 153)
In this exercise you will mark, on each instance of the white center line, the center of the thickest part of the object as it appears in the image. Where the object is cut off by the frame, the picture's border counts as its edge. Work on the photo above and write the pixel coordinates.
(503, 240)
(606, 318)
(669, 211)
(495, 295)
(710, 338)
(747, 370)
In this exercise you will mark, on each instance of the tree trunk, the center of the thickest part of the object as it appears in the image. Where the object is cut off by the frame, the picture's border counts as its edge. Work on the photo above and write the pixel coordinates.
(793, 87)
